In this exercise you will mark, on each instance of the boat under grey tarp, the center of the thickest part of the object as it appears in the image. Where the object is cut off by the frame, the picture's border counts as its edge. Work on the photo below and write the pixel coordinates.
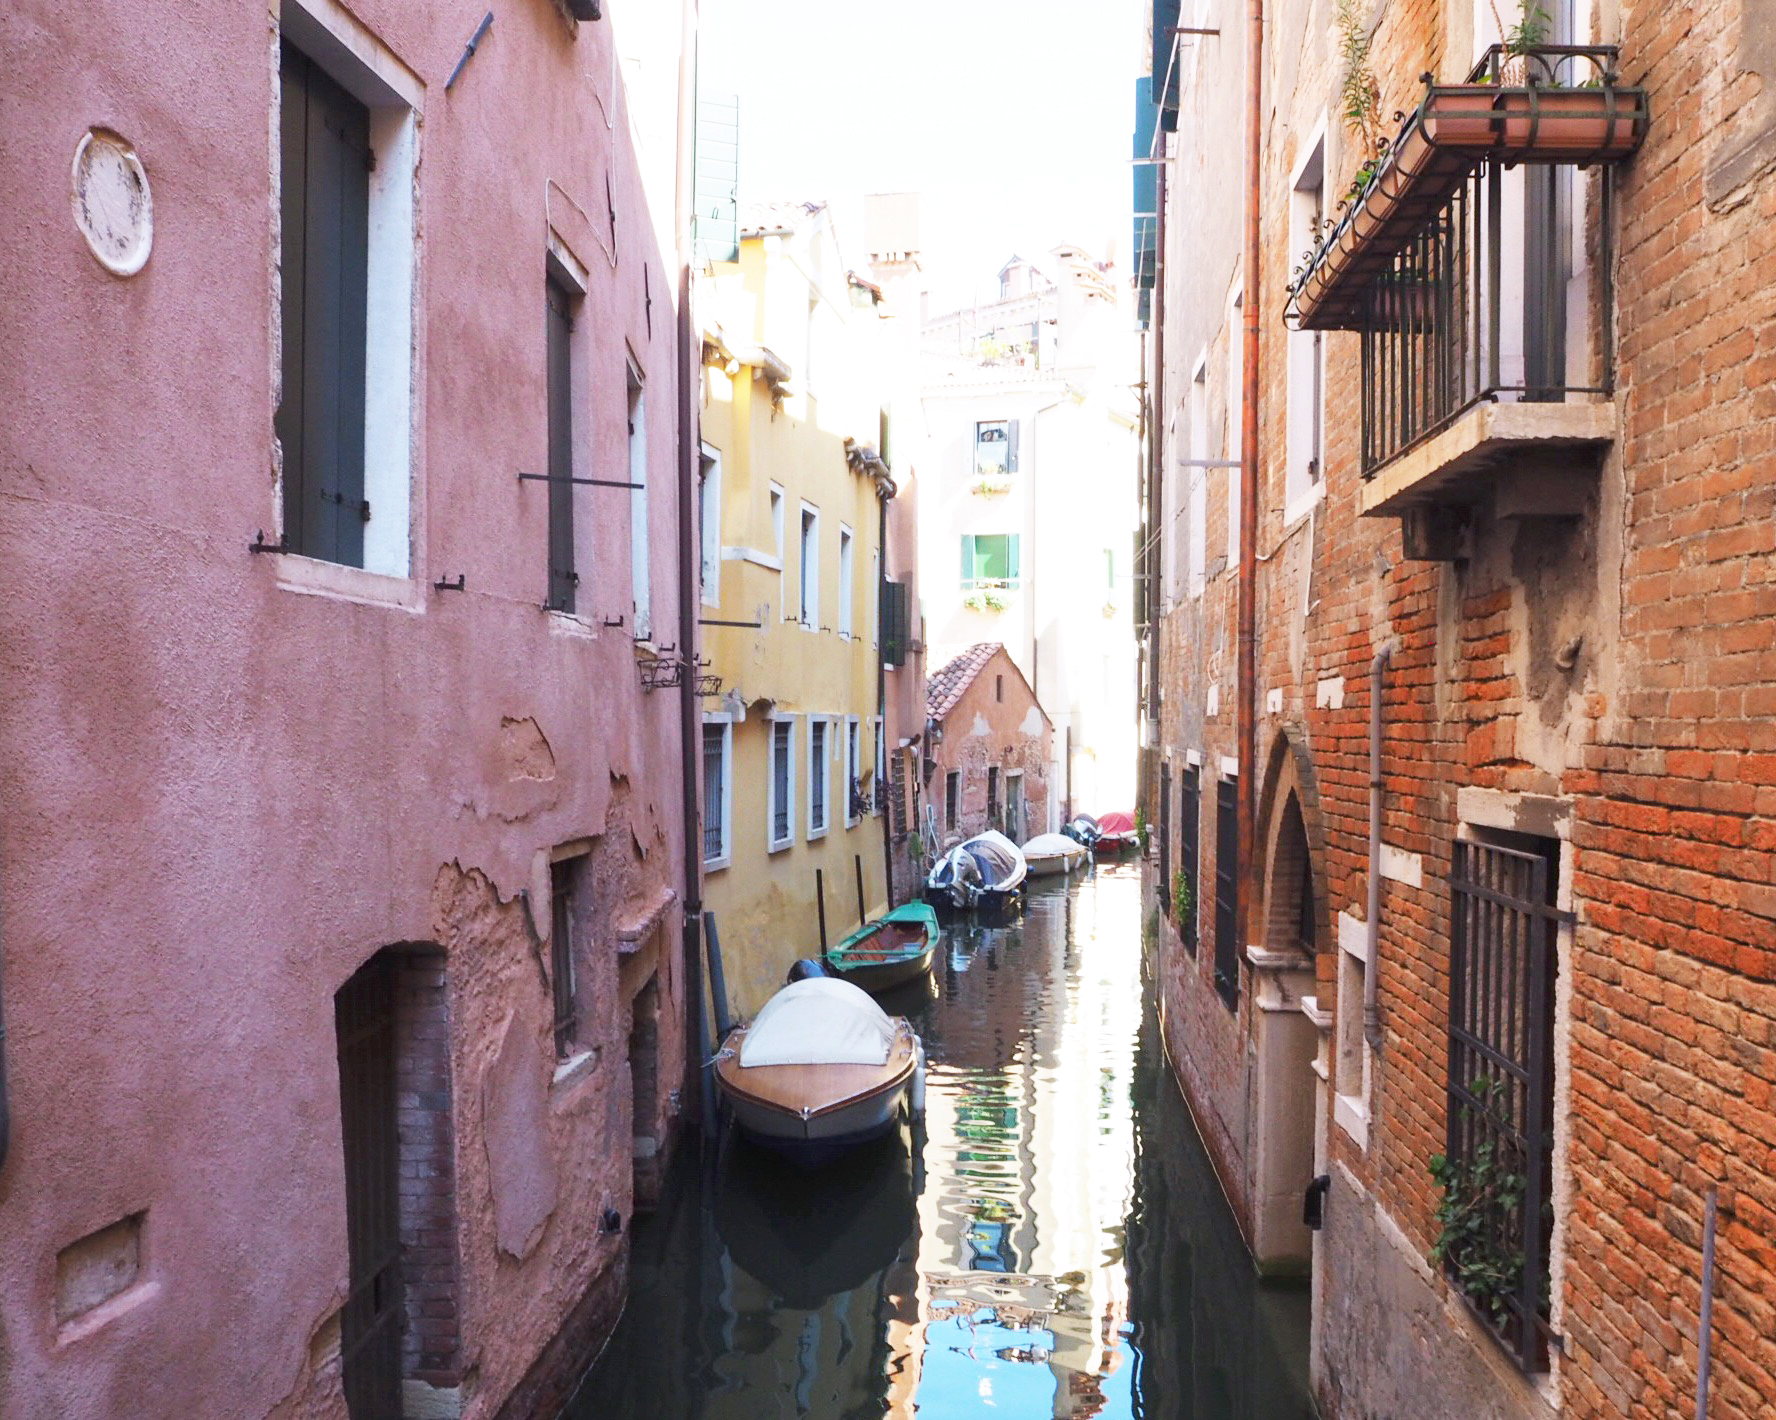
(985, 873)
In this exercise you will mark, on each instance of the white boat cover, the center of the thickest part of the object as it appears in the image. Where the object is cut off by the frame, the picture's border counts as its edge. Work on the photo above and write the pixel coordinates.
(820, 1020)
(1049, 845)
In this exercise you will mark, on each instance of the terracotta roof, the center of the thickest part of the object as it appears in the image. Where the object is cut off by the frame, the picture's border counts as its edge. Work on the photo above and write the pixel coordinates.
(947, 684)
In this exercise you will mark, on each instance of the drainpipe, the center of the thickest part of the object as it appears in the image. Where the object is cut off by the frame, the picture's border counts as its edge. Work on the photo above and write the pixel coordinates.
(1372, 908)
(689, 709)
(1247, 788)
(5, 1107)
(884, 491)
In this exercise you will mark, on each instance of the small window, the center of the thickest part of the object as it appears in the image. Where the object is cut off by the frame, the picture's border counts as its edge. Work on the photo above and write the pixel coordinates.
(952, 799)
(781, 809)
(819, 775)
(709, 510)
(995, 448)
(639, 574)
(1189, 854)
(563, 580)
(999, 689)
(718, 742)
(1227, 970)
(993, 796)
(1305, 352)
(564, 879)
(989, 560)
(809, 591)
(777, 546)
(847, 571)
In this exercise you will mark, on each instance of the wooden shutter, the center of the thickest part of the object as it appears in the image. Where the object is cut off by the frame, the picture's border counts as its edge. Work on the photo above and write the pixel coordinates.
(562, 578)
(1227, 972)
(896, 623)
(325, 196)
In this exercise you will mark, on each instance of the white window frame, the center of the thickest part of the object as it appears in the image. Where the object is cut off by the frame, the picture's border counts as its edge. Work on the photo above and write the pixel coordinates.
(873, 597)
(820, 752)
(779, 501)
(368, 70)
(725, 857)
(772, 843)
(853, 767)
(808, 567)
(640, 574)
(1304, 478)
(709, 520)
(1196, 475)
(876, 795)
(847, 575)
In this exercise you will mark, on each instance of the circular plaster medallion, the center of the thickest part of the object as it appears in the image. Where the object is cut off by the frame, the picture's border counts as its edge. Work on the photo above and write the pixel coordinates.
(112, 205)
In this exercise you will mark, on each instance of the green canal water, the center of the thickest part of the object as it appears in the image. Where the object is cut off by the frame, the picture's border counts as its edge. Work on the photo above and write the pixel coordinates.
(1049, 1241)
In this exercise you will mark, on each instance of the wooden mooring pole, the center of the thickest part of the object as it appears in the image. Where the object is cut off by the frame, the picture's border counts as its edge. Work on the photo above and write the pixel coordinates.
(820, 904)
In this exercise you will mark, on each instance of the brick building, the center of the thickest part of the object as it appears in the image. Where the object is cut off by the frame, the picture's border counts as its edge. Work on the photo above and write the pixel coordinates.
(1510, 437)
(342, 837)
(987, 762)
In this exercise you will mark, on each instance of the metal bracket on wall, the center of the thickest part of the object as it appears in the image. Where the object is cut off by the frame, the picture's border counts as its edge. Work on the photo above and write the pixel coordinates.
(587, 482)
(461, 584)
(660, 672)
(469, 50)
(259, 544)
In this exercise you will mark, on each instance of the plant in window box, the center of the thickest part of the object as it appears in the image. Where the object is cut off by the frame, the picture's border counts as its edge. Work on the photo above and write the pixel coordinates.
(985, 599)
(991, 482)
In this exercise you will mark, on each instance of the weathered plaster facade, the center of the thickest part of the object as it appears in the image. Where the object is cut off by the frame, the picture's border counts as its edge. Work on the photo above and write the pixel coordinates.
(230, 780)
(1588, 679)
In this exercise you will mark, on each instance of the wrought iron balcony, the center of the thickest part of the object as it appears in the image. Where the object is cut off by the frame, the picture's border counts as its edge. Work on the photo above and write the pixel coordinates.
(1454, 269)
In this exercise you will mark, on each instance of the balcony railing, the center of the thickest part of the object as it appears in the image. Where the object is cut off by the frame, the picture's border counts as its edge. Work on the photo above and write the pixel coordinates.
(1453, 268)
(1472, 309)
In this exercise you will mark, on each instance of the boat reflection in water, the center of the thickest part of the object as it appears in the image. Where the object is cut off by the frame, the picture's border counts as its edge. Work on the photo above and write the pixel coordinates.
(1064, 1250)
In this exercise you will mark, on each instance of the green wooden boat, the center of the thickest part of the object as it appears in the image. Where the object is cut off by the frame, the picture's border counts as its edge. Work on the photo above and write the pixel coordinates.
(888, 951)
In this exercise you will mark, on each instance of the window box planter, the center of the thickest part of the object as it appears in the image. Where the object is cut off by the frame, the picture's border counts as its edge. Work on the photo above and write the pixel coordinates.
(1590, 125)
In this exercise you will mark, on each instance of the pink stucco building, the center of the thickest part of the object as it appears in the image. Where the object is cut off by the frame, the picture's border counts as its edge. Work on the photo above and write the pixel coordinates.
(341, 845)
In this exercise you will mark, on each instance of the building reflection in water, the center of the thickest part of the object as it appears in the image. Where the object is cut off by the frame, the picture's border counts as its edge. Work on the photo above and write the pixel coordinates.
(1051, 1242)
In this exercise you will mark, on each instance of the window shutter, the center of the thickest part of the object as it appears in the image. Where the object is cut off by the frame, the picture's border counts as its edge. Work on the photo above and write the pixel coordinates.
(967, 558)
(718, 177)
(1012, 570)
(896, 614)
(1011, 445)
(325, 200)
(560, 381)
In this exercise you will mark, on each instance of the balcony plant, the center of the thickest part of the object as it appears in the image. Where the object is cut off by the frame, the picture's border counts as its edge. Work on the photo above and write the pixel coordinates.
(991, 483)
(986, 599)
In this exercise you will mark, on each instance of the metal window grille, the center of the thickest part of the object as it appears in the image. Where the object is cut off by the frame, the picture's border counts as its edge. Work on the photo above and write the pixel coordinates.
(1502, 968)
(1189, 849)
(1227, 979)
(561, 955)
(715, 790)
(1165, 837)
(780, 732)
(816, 775)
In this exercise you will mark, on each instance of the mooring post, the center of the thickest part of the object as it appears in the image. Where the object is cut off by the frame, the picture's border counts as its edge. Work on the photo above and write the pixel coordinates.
(820, 904)
(718, 979)
(862, 915)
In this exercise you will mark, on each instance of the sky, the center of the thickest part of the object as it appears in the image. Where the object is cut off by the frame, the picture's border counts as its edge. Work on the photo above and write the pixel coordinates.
(1011, 118)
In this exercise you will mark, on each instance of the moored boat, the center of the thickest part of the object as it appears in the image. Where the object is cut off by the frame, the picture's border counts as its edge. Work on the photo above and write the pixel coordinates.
(1117, 834)
(985, 872)
(889, 951)
(821, 1068)
(1053, 853)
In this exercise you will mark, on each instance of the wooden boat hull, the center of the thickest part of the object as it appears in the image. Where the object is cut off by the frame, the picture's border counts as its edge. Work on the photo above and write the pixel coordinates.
(888, 952)
(814, 1112)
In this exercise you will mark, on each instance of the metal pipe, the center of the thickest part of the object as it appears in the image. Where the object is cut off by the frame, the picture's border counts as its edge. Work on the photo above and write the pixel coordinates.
(1704, 1335)
(885, 491)
(1245, 791)
(718, 979)
(1372, 908)
(689, 363)
(820, 904)
(5, 1105)
(862, 910)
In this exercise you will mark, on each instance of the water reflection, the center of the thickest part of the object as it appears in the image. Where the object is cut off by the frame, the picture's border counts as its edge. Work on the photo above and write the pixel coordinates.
(1051, 1243)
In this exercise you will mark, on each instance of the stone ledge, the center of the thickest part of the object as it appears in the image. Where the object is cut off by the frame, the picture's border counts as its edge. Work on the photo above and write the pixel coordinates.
(1492, 448)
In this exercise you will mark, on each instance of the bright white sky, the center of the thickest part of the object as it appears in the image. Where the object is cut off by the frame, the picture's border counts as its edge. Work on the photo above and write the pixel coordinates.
(1011, 118)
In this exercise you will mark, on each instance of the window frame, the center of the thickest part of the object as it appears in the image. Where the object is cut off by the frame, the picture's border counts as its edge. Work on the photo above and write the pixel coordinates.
(853, 769)
(847, 575)
(352, 58)
(787, 802)
(1304, 479)
(778, 501)
(567, 875)
(709, 522)
(808, 568)
(1013, 550)
(641, 592)
(819, 776)
(952, 799)
(724, 856)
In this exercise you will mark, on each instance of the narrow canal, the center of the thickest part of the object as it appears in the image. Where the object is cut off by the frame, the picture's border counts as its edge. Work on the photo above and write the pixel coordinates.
(1050, 1242)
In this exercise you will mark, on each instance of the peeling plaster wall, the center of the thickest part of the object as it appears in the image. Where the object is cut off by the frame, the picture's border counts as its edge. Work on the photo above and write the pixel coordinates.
(981, 732)
(221, 793)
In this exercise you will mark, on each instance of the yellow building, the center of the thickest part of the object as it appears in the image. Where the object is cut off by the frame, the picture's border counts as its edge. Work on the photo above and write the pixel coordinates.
(793, 498)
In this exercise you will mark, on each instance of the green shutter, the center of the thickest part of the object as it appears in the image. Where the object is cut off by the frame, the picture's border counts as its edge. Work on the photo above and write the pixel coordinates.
(967, 558)
(1012, 570)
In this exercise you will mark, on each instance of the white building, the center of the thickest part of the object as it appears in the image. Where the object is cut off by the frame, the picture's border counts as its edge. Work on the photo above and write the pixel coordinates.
(1027, 506)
